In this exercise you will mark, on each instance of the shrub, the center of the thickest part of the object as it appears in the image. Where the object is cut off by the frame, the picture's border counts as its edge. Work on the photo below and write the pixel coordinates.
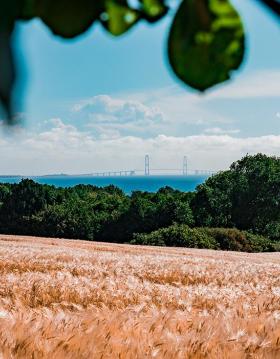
(207, 238)
(262, 244)
(177, 236)
(272, 230)
(231, 239)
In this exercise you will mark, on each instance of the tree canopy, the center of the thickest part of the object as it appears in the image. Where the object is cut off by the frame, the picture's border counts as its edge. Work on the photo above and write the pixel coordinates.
(206, 40)
(247, 196)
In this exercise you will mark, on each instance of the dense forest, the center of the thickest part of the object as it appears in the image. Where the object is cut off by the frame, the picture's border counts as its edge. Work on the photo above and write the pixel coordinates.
(237, 209)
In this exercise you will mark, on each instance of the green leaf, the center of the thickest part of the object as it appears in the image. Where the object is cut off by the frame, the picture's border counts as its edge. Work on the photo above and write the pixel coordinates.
(118, 17)
(153, 10)
(68, 18)
(206, 42)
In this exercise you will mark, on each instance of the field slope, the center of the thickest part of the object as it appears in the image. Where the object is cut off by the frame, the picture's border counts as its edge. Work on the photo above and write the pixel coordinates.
(76, 299)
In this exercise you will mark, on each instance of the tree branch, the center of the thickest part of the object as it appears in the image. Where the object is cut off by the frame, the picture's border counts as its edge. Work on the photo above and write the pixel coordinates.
(273, 5)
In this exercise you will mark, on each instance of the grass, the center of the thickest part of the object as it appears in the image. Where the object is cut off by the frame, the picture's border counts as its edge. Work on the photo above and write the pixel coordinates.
(76, 299)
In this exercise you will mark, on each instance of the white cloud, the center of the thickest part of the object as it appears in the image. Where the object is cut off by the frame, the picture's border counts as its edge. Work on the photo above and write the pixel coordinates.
(167, 110)
(181, 107)
(220, 131)
(64, 148)
(187, 112)
(260, 84)
(106, 109)
(106, 115)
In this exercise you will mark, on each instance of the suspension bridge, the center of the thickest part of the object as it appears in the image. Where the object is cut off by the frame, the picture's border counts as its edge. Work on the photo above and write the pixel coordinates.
(148, 170)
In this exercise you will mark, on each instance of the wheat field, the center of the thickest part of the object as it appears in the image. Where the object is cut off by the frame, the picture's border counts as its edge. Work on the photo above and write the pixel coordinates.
(77, 299)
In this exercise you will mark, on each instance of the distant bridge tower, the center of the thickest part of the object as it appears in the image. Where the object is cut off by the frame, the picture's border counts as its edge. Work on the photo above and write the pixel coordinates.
(147, 165)
(185, 166)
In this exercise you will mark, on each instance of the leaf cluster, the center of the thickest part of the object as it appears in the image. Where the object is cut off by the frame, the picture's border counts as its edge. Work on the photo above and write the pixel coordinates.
(206, 40)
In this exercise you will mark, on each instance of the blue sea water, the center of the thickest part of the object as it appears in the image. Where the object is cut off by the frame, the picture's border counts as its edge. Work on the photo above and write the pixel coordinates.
(126, 183)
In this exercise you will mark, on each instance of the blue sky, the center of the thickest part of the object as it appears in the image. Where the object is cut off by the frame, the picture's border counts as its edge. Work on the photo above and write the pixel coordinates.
(97, 102)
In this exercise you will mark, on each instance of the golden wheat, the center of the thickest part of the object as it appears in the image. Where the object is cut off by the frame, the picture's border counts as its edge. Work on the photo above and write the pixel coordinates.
(76, 299)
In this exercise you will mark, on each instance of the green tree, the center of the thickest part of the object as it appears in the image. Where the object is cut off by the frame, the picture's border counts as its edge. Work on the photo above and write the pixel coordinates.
(247, 196)
(21, 202)
(149, 211)
(5, 191)
(256, 192)
(73, 218)
(212, 203)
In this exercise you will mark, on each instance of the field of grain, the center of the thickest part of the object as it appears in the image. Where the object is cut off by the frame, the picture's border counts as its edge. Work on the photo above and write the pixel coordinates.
(76, 299)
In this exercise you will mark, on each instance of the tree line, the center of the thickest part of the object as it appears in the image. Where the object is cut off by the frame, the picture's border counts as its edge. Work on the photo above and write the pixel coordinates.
(237, 209)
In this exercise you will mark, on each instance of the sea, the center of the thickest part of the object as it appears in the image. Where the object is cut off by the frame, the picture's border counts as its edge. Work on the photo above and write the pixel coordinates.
(127, 183)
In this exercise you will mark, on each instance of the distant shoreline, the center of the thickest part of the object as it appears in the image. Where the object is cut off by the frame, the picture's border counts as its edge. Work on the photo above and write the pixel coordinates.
(101, 176)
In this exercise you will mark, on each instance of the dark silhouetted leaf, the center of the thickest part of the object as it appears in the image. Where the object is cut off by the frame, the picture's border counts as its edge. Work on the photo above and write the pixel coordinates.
(27, 9)
(8, 14)
(7, 70)
(273, 5)
(118, 17)
(153, 10)
(68, 18)
(206, 42)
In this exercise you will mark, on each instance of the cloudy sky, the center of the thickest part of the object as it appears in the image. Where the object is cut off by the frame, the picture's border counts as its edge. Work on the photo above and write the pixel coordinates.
(99, 103)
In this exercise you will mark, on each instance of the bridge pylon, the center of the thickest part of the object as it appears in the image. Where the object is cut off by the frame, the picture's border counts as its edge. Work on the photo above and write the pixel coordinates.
(185, 166)
(147, 165)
